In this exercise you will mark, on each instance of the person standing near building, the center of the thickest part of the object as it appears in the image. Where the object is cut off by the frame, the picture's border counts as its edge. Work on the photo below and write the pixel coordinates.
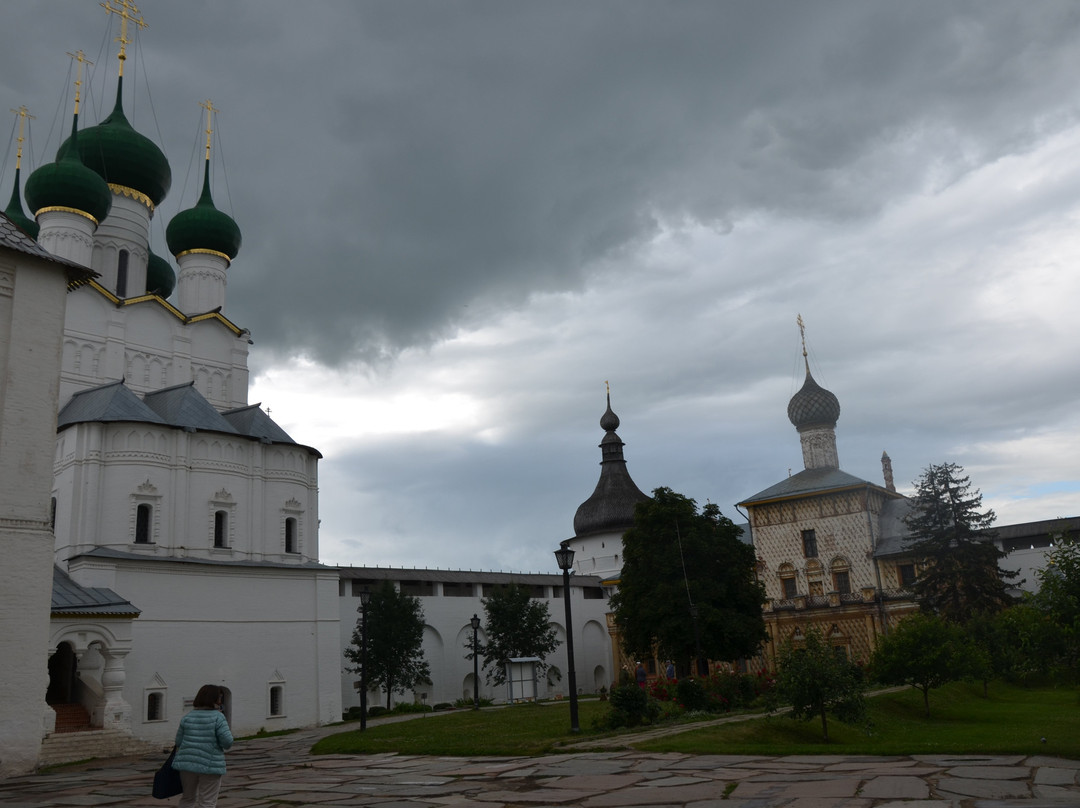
(201, 741)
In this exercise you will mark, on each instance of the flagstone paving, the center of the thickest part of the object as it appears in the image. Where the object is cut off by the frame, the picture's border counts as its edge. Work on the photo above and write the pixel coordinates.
(279, 771)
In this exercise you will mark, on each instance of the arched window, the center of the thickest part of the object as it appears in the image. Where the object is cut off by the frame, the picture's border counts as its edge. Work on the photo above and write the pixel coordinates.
(142, 523)
(290, 535)
(841, 574)
(122, 274)
(787, 581)
(155, 707)
(221, 526)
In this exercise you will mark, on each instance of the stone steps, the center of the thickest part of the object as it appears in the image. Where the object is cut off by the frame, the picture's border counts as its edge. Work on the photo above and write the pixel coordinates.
(67, 747)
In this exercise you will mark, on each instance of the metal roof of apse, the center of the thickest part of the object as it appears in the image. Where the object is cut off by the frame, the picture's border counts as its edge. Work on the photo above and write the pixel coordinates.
(807, 482)
(255, 423)
(184, 406)
(69, 597)
(107, 403)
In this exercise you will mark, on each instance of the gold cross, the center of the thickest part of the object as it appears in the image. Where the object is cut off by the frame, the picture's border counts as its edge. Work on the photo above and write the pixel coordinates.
(127, 11)
(24, 116)
(79, 57)
(208, 105)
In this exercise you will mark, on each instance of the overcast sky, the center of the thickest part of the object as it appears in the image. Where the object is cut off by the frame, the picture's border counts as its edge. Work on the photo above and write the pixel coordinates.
(461, 218)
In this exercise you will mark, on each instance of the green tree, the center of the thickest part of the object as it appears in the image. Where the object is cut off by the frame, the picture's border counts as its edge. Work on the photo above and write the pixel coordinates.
(516, 626)
(1020, 642)
(925, 651)
(395, 638)
(816, 679)
(1059, 596)
(960, 576)
(688, 587)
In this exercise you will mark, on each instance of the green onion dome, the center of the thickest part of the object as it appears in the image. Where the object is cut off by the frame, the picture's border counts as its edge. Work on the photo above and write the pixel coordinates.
(160, 278)
(68, 184)
(203, 228)
(123, 157)
(15, 212)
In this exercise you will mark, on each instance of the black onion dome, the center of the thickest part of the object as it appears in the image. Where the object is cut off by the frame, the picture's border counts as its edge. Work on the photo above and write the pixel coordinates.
(611, 506)
(813, 405)
(15, 212)
(160, 278)
(122, 156)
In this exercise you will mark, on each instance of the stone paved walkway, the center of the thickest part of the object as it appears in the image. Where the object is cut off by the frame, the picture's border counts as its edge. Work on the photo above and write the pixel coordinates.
(278, 771)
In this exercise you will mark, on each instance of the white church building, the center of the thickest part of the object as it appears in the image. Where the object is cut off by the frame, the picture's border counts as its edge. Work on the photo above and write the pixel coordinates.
(178, 527)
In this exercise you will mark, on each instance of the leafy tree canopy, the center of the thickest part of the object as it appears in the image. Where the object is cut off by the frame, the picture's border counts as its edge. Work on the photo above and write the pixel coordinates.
(395, 638)
(1059, 595)
(816, 679)
(676, 559)
(926, 651)
(961, 575)
(516, 626)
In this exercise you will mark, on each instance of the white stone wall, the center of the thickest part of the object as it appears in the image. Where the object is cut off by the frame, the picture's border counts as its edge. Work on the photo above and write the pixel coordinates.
(104, 471)
(246, 629)
(447, 629)
(151, 348)
(32, 299)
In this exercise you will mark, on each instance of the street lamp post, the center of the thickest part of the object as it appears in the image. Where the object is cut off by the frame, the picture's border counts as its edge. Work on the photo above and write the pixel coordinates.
(564, 556)
(475, 623)
(365, 598)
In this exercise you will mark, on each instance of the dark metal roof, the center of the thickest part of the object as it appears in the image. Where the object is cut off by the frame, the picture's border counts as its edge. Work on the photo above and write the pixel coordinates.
(70, 598)
(184, 406)
(811, 481)
(120, 555)
(611, 506)
(179, 407)
(110, 402)
(462, 576)
(13, 237)
(255, 423)
(894, 531)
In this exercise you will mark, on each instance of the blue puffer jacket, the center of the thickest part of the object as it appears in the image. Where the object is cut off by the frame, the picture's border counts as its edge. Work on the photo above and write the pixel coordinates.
(201, 741)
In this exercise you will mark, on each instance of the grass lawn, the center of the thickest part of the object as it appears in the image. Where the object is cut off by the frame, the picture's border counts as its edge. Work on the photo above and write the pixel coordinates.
(523, 729)
(1010, 721)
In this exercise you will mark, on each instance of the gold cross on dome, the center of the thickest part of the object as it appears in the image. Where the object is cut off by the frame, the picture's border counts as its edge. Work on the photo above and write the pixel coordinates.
(208, 105)
(24, 116)
(127, 12)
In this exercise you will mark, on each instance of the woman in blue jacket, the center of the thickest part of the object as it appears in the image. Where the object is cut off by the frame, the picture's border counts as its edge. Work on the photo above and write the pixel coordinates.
(201, 741)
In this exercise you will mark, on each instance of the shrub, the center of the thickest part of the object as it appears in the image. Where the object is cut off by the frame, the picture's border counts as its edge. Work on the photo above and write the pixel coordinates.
(376, 711)
(442, 705)
(469, 702)
(692, 695)
(630, 707)
(409, 707)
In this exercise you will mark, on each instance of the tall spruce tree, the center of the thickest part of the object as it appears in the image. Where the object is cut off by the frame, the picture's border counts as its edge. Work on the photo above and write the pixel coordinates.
(951, 538)
(395, 639)
(687, 588)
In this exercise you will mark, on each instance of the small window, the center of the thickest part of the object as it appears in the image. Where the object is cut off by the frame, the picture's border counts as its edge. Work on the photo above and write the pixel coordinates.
(122, 274)
(790, 590)
(155, 706)
(841, 652)
(907, 575)
(290, 535)
(142, 523)
(809, 543)
(842, 582)
(52, 514)
(277, 700)
(590, 593)
(221, 526)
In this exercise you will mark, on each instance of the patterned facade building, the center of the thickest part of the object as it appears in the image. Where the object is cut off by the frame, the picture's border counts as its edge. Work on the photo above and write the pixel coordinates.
(829, 545)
